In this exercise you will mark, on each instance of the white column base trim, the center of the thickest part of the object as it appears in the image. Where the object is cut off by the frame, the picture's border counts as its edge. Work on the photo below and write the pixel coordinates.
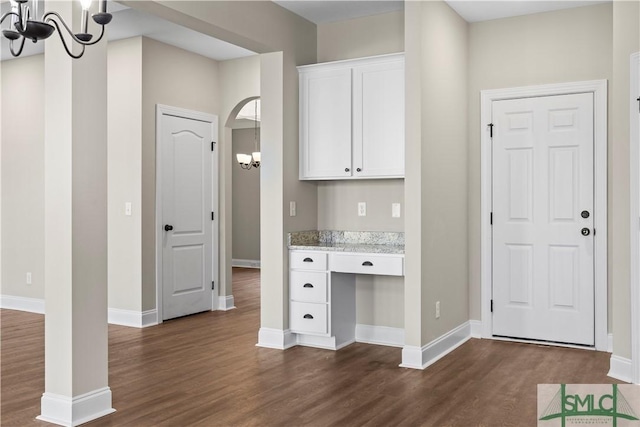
(380, 335)
(245, 263)
(226, 303)
(421, 357)
(132, 318)
(610, 343)
(476, 328)
(620, 368)
(31, 305)
(275, 338)
(73, 411)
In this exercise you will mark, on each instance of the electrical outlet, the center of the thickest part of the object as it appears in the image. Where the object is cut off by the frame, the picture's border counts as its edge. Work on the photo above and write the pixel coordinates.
(292, 209)
(127, 209)
(395, 210)
(362, 209)
(29, 278)
(437, 309)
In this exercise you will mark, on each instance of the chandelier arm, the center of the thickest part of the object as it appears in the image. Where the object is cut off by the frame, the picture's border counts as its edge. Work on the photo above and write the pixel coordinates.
(6, 15)
(16, 54)
(48, 17)
(64, 43)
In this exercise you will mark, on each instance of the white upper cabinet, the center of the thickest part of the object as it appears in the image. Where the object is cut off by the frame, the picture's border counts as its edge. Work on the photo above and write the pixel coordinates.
(352, 119)
(325, 123)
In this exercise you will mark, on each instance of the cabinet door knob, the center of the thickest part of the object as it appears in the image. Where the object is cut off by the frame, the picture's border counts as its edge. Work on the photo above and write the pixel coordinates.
(358, 170)
(307, 316)
(307, 285)
(307, 260)
(347, 169)
(367, 264)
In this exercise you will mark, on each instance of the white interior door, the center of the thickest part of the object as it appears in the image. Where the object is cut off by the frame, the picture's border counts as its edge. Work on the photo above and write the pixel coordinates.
(543, 205)
(186, 216)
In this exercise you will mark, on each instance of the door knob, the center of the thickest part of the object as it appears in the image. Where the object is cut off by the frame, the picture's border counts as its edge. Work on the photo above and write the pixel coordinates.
(585, 231)
(168, 227)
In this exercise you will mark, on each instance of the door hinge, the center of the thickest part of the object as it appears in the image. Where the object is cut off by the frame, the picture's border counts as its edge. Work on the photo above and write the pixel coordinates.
(594, 231)
(490, 130)
(638, 103)
(213, 216)
(492, 306)
(213, 284)
(213, 145)
(491, 218)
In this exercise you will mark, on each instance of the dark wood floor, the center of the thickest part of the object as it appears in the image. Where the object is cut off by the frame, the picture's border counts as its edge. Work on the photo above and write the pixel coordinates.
(205, 370)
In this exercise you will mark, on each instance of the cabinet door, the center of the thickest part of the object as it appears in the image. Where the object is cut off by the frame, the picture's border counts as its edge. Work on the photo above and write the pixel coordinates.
(325, 124)
(378, 120)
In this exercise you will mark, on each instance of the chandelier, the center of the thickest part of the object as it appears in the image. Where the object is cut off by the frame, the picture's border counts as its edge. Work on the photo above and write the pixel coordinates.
(248, 161)
(27, 22)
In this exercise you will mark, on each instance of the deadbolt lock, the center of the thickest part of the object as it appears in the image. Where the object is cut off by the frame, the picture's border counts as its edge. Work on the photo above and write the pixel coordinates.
(585, 214)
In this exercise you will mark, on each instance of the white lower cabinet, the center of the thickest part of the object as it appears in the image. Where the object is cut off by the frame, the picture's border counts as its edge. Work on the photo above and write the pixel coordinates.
(309, 318)
(322, 298)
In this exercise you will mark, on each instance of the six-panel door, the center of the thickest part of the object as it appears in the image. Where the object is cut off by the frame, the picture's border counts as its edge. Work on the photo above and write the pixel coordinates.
(543, 183)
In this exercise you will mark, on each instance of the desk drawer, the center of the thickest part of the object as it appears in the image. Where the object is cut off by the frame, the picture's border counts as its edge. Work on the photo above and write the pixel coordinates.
(308, 317)
(308, 286)
(386, 265)
(308, 260)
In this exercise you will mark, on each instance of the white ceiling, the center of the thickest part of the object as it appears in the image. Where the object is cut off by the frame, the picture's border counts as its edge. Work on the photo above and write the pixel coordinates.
(320, 12)
(130, 23)
(477, 11)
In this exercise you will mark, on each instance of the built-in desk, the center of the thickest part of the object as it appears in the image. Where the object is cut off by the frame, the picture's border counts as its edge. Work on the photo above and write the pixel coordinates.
(322, 269)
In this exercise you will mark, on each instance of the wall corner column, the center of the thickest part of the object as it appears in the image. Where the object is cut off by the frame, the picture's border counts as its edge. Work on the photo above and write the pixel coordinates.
(76, 334)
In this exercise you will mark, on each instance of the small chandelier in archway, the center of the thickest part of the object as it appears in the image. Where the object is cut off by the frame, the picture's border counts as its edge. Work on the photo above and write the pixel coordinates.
(248, 161)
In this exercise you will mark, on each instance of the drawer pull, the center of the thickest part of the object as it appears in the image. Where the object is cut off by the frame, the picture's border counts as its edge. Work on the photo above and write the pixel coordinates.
(307, 285)
(307, 260)
(307, 316)
(367, 264)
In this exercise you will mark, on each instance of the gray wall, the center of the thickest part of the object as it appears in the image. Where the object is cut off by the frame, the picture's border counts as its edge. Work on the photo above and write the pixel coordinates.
(124, 167)
(23, 176)
(563, 46)
(178, 78)
(436, 45)
(246, 200)
(380, 299)
(626, 40)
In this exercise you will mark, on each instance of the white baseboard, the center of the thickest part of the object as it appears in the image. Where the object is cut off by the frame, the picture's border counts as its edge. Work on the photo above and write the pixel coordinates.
(31, 305)
(73, 411)
(275, 338)
(620, 368)
(476, 328)
(421, 357)
(380, 335)
(610, 343)
(226, 303)
(327, 343)
(245, 263)
(132, 318)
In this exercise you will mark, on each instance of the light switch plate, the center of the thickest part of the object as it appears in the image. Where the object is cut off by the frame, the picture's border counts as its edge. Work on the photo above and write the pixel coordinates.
(362, 208)
(292, 209)
(395, 210)
(127, 209)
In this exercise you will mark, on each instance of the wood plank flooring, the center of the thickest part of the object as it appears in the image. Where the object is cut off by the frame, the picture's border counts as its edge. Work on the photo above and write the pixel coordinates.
(205, 370)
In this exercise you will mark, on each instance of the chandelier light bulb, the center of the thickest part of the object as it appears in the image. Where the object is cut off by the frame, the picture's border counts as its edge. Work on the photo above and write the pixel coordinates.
(86, 4)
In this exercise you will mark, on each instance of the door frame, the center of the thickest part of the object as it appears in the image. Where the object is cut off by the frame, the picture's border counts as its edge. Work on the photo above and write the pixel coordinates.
(599, 90)
(165, 110)
(634, 202)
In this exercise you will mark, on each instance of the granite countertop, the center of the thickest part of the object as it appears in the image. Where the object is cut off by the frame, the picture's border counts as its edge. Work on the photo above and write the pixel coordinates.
(348, 241)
